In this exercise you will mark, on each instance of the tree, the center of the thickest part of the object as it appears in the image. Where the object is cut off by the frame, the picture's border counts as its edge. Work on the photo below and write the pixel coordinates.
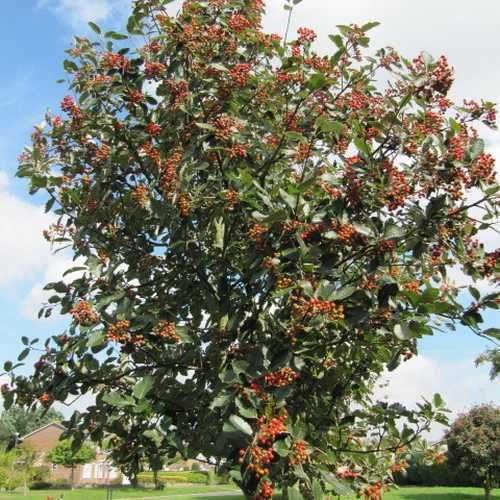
(16, 422)
(474, 445)
(263, 231)
(17, 468)
(69, 455)
(491, 356)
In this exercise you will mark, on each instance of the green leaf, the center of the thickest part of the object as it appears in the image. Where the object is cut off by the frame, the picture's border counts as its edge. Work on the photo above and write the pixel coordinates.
(219, 233)
(363, 146)
(391, 230)
(281, 448)
(96, 339)
(115, 36)
(142, 388)
(317, 490)
(70, 67)
(326, 125)
(115, 399)
(95, 28)
(24, 354)
(241, 425)
(368, 26)
(245, 411)
(477, 148)
(438, 400)
(342, 293)
(403, 331)
(492, 332)
(294, 493)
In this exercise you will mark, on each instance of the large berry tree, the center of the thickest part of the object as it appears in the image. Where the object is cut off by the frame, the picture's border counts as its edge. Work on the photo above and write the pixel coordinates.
(260, 231)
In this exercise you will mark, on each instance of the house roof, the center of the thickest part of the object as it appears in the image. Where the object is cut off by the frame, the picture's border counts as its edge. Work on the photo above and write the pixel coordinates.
(36, 431)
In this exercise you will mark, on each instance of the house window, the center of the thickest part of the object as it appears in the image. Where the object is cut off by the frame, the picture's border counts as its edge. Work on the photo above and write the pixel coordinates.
(87, 471)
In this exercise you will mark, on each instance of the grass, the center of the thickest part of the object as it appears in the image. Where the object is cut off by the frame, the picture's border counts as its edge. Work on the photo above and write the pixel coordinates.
(186, 492)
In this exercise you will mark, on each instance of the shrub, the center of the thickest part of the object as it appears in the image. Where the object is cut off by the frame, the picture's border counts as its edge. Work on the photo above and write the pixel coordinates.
(175, 477)
(195, 467)
(40, 485)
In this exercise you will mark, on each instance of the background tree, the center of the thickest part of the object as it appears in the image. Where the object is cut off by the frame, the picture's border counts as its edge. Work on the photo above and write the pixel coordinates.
(474, 445)
(18, 421)
(17, 468)
(264, 231)
(491, 356)
(67, 454)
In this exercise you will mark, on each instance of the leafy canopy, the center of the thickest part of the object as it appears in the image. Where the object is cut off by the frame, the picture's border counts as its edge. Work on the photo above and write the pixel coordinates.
(474, 444)
(18, 421)
(259, 232)
(66, 454)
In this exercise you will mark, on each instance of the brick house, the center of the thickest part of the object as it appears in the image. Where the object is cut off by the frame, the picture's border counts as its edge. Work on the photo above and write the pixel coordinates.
(44, 439)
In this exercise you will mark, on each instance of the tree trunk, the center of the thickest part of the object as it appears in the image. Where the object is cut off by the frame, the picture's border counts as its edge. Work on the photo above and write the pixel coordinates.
(487, 493)
(487, 487)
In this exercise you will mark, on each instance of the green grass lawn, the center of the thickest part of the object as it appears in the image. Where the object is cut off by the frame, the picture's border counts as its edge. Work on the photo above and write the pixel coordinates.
(186, 492)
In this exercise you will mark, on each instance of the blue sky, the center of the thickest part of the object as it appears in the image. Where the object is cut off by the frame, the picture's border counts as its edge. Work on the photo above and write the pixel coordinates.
(34, 34)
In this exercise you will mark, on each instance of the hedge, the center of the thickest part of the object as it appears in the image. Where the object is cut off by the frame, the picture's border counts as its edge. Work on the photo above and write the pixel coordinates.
(175, 477)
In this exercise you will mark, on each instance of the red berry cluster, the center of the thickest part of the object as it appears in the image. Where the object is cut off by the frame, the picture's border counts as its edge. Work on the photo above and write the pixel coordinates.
(270, 430)
(373, 492)
(240, 73)
(153, 129)
(400, 466)
(483, 169)
(135, 96)
(284, 282)
(266, 491)
(345, 232)
(300, 453)
(281, 378)
(110, 60)
(238, 151)
(83, 314)
(119, 332)
(256, 233)
(259, 459)
(304, 151)
(225, 126)
(102, 154)
(69, 106)
(154, 70)
(232, 198)
(178, 90)
(141, 195)
(442, 76)
(385, 246)
(306, 35)
(457, 147)
(184, 204)
(149, 151)
(238, 22)
(347, 474)
(45, 399)
(168, 331)
(168, 178)
(313, 307)
(399, 189)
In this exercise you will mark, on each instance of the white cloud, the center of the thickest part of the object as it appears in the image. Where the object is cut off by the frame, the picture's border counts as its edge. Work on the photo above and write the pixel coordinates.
(54, 272)
(78, 13)
(460, 383)
(23, 250)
